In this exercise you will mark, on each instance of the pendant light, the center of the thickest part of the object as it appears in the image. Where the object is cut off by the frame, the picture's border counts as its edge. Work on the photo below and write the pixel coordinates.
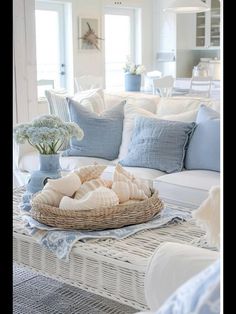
(187, 6)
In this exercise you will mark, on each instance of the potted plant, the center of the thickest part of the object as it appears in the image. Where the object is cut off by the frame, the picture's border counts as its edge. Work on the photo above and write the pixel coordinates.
(133, 76)
(48, 134)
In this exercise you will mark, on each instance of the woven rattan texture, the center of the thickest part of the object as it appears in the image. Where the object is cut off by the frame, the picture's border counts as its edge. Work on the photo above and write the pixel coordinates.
(97, 219)
(111, 268)
(36, 294)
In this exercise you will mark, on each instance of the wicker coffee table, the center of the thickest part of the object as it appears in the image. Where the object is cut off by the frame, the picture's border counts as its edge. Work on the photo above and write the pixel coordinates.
(111, 268)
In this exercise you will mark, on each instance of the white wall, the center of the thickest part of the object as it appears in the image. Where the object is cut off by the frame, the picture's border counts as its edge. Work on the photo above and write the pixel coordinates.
(84, 62)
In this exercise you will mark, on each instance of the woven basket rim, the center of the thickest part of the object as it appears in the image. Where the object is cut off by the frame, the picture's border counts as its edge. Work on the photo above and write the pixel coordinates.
(55, 210)
(99, 218)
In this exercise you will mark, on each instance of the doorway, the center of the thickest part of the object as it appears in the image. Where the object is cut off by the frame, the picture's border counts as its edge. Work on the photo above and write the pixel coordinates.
(119, 44)
(50, 46)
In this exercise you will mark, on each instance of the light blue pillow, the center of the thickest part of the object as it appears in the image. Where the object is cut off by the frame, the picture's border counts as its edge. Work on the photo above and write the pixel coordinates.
(158, 144)
(199, 295)
(204, 147)
(102, 133)
(205, 113)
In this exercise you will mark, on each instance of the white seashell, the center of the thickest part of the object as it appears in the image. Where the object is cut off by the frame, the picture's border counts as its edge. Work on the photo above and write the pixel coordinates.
(66, 185)
(107, 183)
(131, 202)
(49, 197)
(127, 190)
(89, 186)
(119, 174)
(99, 198)
(90, 172)
(120, 169)
(142, 185)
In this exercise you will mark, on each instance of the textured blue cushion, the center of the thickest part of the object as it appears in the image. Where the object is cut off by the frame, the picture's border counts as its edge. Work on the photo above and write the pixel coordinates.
(204, 147)
(158, 144)
(102, 133)
(205, 113)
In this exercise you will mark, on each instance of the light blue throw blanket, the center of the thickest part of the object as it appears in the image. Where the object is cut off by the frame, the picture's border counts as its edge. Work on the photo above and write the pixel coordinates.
(60, 241)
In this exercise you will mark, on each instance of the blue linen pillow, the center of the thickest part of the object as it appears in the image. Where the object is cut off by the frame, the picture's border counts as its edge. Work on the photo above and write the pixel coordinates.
(158, 144)
(204, 147)
(199, 295)
(102, 133)
(205, 113)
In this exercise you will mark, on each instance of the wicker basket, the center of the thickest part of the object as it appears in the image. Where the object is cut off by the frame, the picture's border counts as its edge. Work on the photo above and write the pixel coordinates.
(97, 219)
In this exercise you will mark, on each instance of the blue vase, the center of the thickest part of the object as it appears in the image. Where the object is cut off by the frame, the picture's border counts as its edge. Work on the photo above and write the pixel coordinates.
(132, 82)
(49, 169)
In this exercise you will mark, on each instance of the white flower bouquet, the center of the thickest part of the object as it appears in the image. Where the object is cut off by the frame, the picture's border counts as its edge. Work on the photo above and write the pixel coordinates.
(47, 133)
(133, 68)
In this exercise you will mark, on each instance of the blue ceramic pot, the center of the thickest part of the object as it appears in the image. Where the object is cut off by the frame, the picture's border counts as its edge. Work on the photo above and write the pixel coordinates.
(49, 169)
(132, 82)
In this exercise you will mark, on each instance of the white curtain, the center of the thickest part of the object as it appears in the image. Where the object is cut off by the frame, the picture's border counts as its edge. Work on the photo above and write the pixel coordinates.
(24, 61)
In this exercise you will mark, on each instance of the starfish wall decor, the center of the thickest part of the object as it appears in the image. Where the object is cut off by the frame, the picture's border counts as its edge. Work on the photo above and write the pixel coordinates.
(90, 38)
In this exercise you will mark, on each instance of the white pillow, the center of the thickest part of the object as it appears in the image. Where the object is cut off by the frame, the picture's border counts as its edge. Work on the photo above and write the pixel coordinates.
(208, 216)
(130, 112)
(189, 116)
(176, 105)
(92, 99)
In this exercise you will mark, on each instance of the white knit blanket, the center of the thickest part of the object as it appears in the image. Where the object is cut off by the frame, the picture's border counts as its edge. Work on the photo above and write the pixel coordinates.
(60, 241)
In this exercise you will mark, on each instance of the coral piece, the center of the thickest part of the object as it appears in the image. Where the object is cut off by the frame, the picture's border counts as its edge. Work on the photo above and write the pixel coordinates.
(90, 38)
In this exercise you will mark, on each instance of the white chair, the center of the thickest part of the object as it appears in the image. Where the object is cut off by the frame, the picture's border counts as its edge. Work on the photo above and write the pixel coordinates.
(163, 86)
(88, 82)
(148, 79)
(57, 103)
(200, 86)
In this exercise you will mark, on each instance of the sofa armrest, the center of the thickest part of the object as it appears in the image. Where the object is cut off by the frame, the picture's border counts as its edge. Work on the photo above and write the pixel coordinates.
(171, 265)
(19, 150)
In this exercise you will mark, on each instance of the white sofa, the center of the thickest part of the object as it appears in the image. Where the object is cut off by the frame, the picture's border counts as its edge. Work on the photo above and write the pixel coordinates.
(188, 186)
(111, 268)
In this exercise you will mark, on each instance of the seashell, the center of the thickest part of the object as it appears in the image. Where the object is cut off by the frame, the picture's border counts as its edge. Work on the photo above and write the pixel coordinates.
(120, 169)
(99, 198)
(117, 176)
(49, 197)
(127, 190)
(129, 202)
(66, 185)
(89, 186)
(140, 183)
(107, 183)
(90, 172)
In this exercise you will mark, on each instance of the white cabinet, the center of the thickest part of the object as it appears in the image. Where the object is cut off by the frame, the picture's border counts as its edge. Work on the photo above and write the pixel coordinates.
(208, 26)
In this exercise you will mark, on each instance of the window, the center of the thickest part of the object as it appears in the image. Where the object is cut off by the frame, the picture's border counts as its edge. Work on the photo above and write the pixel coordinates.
(50, 46)
(119, 43)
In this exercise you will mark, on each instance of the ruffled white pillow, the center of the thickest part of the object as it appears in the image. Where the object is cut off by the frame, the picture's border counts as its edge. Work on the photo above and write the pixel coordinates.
(92, 99)
(130, 112)
(208, 216)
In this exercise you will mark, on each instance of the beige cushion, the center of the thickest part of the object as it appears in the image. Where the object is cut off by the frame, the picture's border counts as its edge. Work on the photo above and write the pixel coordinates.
(131, 111)
(92, 99)
(176, 105)
(189, 116)
(189, 187)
